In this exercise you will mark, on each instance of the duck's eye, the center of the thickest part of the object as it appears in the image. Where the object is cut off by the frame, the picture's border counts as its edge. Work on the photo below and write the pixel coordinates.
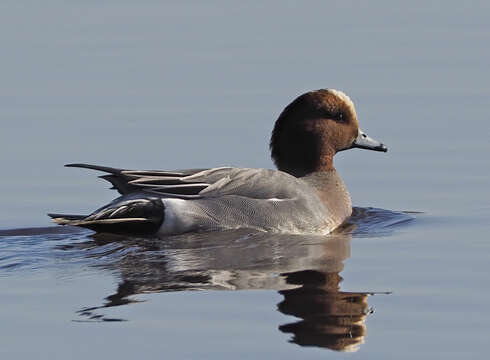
(364, 135)
(338, 116)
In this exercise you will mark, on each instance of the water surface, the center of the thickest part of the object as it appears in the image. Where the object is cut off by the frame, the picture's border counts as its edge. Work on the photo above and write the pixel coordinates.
(167, 85)
(303, 269)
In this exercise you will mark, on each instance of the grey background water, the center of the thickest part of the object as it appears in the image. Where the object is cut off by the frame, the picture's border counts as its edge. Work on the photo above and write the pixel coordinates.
(172, 85)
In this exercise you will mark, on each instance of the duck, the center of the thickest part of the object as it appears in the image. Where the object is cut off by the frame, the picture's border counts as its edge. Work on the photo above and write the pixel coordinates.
(304, 195)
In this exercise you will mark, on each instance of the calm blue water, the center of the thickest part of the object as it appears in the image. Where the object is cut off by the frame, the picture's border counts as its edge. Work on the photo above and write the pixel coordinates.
(170, 85)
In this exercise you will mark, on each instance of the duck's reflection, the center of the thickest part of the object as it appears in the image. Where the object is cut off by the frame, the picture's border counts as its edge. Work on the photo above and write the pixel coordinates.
(330, 318)
(304, 269)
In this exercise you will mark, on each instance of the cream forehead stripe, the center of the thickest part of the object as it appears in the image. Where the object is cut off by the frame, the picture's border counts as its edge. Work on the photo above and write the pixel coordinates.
(344, 98)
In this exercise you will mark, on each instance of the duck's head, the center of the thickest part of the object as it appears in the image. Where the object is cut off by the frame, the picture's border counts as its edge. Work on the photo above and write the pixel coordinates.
(313, 128)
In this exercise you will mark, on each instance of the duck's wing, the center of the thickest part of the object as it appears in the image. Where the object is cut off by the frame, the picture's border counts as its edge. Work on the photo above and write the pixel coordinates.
(157, 182)
(201, 183)
(263, 184)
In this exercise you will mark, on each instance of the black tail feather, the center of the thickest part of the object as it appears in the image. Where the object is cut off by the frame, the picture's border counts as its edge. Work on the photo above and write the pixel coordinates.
(67, 216)
(139, 217)
(107, 169)
(134, 226)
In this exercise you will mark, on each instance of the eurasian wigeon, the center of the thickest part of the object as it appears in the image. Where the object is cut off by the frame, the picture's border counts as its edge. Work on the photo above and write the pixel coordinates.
(305, 194)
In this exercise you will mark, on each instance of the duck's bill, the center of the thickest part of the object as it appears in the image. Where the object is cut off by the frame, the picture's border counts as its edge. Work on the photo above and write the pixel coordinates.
(365, 142)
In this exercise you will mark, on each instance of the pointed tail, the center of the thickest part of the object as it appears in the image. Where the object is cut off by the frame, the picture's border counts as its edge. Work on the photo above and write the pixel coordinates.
(136, 216)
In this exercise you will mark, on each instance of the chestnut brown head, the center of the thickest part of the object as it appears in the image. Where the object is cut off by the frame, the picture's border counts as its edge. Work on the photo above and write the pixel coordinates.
(313, 128)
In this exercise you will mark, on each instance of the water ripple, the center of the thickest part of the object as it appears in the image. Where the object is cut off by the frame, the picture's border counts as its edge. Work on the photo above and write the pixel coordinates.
(37, 248)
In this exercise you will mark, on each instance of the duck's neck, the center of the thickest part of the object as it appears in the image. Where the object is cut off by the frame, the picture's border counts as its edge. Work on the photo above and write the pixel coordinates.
(300, 169)
(325, 163)
(333, 193)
